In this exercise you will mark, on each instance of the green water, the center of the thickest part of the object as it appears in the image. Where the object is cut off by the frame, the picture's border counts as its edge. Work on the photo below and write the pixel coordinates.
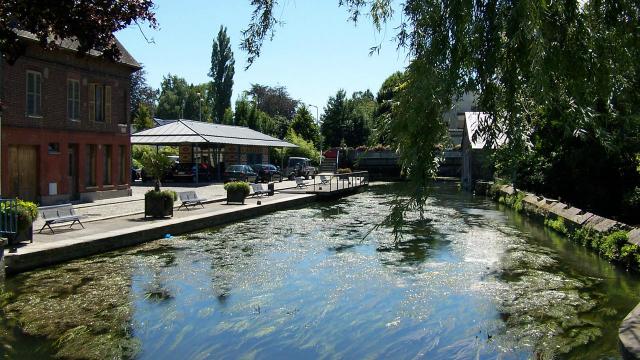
(472, 281)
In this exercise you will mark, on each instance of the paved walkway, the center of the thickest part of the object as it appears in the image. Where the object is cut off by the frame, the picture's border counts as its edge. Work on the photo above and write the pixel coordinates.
(134, 204)
(108, 234)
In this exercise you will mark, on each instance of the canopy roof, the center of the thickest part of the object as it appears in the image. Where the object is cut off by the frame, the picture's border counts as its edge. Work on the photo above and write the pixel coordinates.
(196, 132)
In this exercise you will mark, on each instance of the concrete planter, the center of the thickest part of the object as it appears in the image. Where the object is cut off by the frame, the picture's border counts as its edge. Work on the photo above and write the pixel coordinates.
(158, 207)
(21, 235)
(235, 196)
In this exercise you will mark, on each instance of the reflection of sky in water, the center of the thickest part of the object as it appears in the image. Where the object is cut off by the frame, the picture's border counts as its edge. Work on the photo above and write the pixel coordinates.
(472, 281)
(304, 284)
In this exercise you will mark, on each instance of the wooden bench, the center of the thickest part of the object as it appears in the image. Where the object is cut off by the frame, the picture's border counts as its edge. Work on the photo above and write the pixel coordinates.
(57, 214)
(189, 198)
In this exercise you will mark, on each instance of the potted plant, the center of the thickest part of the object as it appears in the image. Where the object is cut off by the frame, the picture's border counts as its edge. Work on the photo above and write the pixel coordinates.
(237, 191)
(158, 203)
(26, 213)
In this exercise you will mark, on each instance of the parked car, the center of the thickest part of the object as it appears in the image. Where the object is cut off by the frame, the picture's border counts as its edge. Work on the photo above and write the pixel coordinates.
(147, 177)
(136, 174)
(267, 172)
(239, 173)
(299, 166)
(186, 172)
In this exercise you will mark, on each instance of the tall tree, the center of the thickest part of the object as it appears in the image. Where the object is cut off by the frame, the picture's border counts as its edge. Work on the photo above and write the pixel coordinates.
(383, 115)
(335, 118)
(141, 93)
(241, 114)
(228, 117)
(222, 71)
(362, 107)
(305, 126)
(143, 119)
(173, 94)
(273, 100)
(178, 99)
(348, 120)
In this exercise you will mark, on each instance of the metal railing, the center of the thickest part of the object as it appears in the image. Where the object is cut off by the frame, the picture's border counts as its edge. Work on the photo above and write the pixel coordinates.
(8, 216)
(335, 182)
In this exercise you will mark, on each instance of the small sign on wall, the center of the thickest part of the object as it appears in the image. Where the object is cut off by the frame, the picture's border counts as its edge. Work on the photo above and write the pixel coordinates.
(185, 153)
(53, 188)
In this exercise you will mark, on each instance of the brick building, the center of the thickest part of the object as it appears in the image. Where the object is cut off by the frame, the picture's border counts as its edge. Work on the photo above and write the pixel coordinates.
(65, 124)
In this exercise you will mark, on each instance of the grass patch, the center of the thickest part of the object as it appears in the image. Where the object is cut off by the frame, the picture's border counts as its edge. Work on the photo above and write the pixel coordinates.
(557, 225)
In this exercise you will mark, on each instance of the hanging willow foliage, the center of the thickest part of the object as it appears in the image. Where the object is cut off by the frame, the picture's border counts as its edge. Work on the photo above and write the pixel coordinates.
(554, 76)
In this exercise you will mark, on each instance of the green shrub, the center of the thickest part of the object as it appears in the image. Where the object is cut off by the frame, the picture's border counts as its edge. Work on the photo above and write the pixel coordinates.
(629, 255)
(238, 186)
(557, 224)
(494, 191)
(516, 201)
(167, 194)
(611, 245)
(26, 212)
(596, 242)
(584, 236)
(344, 171)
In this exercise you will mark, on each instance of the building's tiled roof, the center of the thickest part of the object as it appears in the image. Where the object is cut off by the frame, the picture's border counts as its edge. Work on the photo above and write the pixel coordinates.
(195, 132)
(73, 45)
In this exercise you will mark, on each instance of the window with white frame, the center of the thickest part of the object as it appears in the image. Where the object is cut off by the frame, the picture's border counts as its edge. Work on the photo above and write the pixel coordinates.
(34, 93)
(73, 99)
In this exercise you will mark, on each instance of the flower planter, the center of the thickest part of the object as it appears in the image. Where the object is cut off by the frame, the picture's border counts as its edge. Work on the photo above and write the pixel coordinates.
(21, 235)
(237, 191)
(235, 196)
(158, 207)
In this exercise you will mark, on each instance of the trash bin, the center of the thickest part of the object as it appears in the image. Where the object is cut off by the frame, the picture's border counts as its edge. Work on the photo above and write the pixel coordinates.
(271, 187)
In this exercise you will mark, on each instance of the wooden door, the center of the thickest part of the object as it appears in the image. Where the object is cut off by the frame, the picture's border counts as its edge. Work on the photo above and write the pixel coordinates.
(23, 172)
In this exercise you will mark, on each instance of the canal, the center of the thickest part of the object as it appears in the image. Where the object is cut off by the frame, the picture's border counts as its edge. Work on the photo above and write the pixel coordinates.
(474, 280)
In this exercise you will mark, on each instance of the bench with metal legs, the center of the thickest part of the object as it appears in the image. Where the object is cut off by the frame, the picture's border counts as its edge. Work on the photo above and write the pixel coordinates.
(57, 214)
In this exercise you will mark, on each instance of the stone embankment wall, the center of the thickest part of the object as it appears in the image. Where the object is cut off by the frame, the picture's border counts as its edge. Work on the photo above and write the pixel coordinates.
(616, 241)
(547, 208)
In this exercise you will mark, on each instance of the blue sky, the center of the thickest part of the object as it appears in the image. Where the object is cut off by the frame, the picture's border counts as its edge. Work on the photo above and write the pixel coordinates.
(314, 53)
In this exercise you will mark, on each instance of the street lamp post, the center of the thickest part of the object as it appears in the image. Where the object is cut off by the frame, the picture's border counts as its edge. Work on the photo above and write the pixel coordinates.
(318, 123)
(200, 103)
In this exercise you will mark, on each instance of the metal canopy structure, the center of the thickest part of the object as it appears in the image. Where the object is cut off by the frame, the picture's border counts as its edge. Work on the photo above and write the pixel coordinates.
(182, 132)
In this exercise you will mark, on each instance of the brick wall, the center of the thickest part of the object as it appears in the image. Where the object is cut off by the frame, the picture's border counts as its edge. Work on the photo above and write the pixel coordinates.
(54, 125)
(56, 68)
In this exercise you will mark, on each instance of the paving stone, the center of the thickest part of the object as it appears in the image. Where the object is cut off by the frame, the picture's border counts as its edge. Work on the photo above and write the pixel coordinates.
(581, 219)
(629, 335)
(547, 204)
(606, 225)
(634, 236)
(507, 189)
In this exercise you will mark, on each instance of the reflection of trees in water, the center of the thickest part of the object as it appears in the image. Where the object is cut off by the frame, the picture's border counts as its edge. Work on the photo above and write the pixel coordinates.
(419, 241)
(228, 257)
